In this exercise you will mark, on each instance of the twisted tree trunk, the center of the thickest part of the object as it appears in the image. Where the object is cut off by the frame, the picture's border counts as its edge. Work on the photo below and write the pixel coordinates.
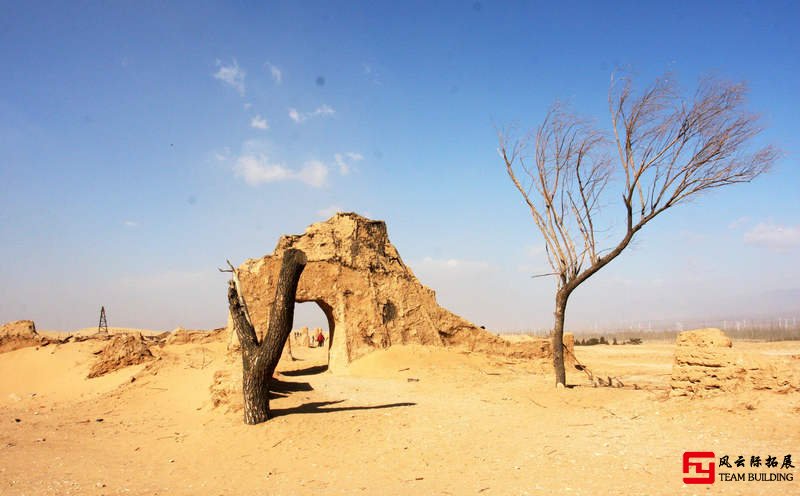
(260, 359)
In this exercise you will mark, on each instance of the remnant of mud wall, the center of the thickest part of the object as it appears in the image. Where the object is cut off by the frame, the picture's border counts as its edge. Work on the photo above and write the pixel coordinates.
(371, 299)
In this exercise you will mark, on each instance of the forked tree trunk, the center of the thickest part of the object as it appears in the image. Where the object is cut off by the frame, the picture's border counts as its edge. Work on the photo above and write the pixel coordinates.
(558, 338)
(260, 359)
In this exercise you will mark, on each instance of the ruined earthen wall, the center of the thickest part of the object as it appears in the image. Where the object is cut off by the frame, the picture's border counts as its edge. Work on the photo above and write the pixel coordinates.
(371, 298)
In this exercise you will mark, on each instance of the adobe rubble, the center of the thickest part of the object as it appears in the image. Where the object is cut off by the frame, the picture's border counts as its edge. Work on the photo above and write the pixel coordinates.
(19, 334)
(706, 364)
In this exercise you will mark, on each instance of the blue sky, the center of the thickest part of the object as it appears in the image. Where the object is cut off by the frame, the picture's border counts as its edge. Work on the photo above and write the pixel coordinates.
(142, 144)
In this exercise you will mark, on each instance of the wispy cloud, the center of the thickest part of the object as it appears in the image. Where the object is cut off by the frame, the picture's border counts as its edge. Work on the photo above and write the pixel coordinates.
(323, 110)
(345, 160)
(259, 122)
(257, 169)
(231, 75)
(313, 173)
(275, 72)
(329, 211)
(131, 224)
(774, 236)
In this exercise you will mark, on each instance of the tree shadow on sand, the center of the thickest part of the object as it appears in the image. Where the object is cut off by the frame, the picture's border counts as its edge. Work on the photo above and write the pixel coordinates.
(316, 369)
(281, 389)
(316, 407)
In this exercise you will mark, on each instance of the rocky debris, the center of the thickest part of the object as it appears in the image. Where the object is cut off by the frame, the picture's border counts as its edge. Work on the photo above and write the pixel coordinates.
(706, 363)
(19, 334)
(226, 390)
(187, 336)
(122, 350)
(371, 299)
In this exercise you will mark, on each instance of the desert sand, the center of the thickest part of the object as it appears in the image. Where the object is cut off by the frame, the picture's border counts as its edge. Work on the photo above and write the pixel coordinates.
(407, 420)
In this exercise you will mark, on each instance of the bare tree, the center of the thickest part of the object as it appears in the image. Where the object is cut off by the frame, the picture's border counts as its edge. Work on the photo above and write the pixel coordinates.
(670, 150)
(260, 359)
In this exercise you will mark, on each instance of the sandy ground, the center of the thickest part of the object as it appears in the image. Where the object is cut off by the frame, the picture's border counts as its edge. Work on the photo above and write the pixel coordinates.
(409, 420)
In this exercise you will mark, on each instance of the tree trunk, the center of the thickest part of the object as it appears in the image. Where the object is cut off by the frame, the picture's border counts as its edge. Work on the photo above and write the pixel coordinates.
(260, 359)
(558, 338)
(255, 385)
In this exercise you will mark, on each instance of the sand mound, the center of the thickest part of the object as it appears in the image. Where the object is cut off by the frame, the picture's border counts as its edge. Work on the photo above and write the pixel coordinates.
(121, 351)
(705, 363)
(19, 334)
(413, 362)
(418, 359)
(55, 373)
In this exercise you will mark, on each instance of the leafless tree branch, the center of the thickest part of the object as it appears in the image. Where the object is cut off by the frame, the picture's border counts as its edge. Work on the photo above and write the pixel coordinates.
(670, 150)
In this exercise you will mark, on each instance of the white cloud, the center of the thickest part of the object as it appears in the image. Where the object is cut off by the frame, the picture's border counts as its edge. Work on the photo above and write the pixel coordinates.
(259, 122)
(247, 105)
(131, 223)
(313, 173)
(328, 212)
(323, 110)
(354, 156)
(277, 74)
(257, 169)
(773, 236)
(346, 165)
(344, 168)
(231, 75)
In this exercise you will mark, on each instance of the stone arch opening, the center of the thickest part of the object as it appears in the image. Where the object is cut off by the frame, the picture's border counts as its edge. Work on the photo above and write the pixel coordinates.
(313, 314)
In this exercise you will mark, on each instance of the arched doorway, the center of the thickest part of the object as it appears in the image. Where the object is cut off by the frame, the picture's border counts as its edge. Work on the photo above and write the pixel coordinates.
(312, 316)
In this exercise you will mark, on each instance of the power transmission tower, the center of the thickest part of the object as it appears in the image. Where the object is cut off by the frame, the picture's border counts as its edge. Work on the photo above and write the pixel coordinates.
(102, 327)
